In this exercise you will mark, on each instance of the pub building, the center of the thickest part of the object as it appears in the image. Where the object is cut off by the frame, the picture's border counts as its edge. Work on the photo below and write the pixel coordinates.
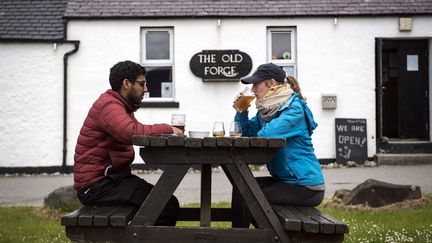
(364, 66)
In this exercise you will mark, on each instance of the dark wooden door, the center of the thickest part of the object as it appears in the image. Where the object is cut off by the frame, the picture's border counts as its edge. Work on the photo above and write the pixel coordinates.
(405, 86)
(413, 89)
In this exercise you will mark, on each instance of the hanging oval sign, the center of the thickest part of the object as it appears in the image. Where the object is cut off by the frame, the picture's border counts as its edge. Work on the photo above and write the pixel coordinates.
(220, 65)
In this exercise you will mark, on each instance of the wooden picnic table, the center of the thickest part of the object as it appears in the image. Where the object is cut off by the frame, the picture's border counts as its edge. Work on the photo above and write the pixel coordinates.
(178, 154)
(276, 223)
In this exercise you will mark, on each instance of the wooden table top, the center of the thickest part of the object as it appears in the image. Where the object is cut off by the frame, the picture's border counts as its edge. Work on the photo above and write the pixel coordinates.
(183, 141)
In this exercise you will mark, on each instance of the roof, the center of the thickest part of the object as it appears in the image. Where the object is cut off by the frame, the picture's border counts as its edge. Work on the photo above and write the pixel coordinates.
(42, 20)
(242, 8)
(35, 20)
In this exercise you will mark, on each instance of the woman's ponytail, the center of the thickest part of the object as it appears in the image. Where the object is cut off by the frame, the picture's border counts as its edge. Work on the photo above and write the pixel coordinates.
(294, 86)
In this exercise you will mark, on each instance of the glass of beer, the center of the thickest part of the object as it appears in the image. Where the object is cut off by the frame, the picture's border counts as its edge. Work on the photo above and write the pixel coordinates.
(218, 129)
(244, 100)
(235, 130)
(178, 121)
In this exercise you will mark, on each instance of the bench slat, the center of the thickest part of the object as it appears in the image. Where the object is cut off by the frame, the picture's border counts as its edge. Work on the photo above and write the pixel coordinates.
(308, 224)
(70, 219)
(102, 214)
(290, 222)
(85, 217)
(340, 227)
(326, 226)
(122, 216)
(116, 215)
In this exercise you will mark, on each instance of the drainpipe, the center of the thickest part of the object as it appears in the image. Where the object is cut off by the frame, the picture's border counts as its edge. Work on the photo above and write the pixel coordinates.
(65, 64)
(65, 79)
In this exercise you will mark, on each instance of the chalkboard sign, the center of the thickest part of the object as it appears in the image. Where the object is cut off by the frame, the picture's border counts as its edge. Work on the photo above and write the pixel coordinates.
(351, 140)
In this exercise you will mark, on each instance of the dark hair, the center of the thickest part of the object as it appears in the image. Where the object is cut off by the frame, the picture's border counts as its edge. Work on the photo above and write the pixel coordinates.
(294, 86)
(124, 70)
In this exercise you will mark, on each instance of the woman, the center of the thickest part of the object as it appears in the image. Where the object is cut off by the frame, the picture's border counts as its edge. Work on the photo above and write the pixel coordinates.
(296, 176)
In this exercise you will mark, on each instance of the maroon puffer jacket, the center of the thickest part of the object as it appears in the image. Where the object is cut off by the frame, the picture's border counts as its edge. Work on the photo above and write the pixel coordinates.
(106, 139)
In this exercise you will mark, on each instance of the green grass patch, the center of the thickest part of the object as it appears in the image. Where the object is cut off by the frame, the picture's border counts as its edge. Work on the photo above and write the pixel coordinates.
(30, 224)
(212, 224)
(405, 222)
(409, 221)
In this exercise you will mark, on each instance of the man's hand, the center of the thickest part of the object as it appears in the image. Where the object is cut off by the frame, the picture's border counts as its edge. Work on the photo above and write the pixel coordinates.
(177, 131)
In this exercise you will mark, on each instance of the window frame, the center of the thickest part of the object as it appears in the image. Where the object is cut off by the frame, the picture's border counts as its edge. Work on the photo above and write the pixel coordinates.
(158, 62)
(282, 62)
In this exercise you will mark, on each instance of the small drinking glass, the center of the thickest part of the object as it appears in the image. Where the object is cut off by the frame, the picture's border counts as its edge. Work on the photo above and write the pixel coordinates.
(235, 130)
(218, 129)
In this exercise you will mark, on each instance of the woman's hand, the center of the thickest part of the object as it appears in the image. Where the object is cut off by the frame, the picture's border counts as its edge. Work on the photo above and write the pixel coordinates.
(238, 103)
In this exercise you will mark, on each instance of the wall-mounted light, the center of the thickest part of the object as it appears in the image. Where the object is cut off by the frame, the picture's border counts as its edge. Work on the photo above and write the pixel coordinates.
(335, 21)
(55, 46)
(219, 22)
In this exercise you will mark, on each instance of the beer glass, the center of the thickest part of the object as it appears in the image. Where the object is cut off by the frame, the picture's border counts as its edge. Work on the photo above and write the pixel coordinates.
(178, 121)
(235, 130)
(218, 129)
(244, 100)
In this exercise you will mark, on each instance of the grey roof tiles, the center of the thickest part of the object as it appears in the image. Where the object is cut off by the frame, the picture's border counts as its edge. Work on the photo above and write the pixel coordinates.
(36, 20)
(42, 20)
(242, 8)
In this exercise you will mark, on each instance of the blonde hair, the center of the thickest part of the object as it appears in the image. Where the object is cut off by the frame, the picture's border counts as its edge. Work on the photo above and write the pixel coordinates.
(294, 86)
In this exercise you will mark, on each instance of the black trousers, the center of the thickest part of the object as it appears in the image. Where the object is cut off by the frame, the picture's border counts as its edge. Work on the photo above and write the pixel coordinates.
(127, 189)
(276, 192)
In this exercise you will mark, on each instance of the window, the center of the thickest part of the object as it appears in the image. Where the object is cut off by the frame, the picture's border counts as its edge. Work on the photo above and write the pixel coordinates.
(281, 49)
(157, 58)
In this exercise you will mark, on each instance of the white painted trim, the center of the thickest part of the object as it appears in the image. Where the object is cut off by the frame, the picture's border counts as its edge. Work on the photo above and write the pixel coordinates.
(291, 30)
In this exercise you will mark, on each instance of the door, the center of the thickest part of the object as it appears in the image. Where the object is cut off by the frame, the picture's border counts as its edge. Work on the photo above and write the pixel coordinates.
(405, 86)
(413, 90)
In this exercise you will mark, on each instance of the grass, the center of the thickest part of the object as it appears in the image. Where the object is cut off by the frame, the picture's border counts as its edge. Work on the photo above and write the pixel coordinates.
(404, 222)
(409, 221)
(30, 224)
(212, 224)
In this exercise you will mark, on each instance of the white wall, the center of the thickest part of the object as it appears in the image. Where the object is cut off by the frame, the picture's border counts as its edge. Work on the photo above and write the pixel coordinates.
(31, 110)
(337, 59)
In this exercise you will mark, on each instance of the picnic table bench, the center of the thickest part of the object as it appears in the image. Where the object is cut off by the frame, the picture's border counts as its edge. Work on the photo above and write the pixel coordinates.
(276, 223)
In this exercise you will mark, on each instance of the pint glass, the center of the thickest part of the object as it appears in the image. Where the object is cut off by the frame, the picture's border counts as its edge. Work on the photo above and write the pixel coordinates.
(244, 100)
(178, 121)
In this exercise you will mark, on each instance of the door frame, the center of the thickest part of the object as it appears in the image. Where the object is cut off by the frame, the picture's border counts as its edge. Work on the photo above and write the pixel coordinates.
(379, 86)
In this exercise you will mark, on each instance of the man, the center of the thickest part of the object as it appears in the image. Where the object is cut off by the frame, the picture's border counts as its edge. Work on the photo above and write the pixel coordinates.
(104, 151)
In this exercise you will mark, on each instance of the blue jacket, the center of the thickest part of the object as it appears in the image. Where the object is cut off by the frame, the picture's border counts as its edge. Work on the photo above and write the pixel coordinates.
(296, 163)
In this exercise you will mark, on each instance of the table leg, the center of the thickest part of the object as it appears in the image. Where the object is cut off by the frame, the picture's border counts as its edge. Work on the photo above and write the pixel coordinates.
(205, 212)
(254, 197)
(160, 195)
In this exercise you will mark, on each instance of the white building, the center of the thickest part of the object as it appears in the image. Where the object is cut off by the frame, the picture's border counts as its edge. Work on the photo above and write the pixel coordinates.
(359, 60)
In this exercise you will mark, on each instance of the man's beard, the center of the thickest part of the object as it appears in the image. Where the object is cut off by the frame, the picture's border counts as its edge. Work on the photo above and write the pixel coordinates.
(132, 99)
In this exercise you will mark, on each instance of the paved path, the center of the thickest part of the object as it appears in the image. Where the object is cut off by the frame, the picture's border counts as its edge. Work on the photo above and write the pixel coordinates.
(30, 190)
